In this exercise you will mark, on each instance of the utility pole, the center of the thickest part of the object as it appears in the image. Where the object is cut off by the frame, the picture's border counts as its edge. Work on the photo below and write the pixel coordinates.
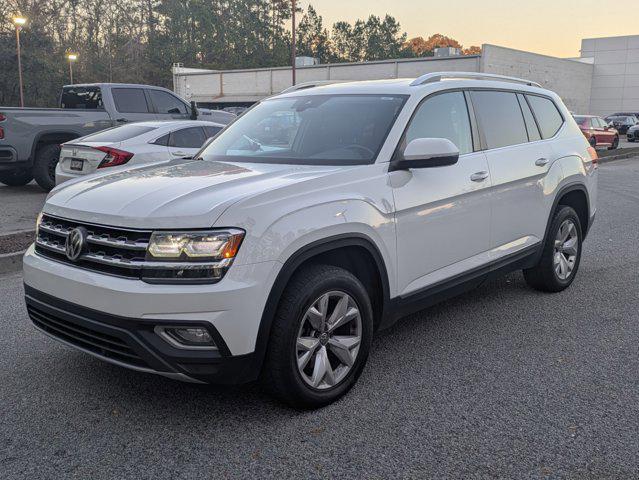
(293, 53)
(19, 23)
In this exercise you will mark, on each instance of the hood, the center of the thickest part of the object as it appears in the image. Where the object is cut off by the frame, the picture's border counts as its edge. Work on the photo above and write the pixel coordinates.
(178, 195)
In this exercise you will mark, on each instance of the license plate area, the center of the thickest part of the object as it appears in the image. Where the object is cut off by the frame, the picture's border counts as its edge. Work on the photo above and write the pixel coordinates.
(76, 164)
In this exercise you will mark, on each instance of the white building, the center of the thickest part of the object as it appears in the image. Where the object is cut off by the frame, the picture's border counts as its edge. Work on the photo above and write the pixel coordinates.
(605, 79)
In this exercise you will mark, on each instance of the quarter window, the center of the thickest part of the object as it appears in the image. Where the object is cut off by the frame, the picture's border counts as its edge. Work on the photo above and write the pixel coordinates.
(187, 138)
(130, 100)
(548, 117)
(442, 116)
(500, 118)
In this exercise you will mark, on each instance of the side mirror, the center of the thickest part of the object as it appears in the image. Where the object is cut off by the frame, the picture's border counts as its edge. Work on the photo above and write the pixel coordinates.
(194, 112)
(426, 153)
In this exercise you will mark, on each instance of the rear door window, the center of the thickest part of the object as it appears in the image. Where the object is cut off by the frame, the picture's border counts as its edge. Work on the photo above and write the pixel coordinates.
(166, 103)
(130, 100)
(192, 137)
(500, 118)
(443, 115)
(211, 131)
(547, 115)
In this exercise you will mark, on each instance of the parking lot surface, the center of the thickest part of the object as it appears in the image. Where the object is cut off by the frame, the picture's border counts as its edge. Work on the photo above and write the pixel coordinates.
(502, 382)
(20, 207)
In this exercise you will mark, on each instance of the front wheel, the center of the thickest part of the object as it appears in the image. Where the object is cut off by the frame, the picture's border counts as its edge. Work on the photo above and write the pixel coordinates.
(16, 178)
(44, 167)
(320, 337)
(561, 253)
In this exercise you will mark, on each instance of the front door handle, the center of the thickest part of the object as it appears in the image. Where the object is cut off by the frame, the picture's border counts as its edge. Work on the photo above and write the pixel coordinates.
(541, 162)
(179, 154)
(122, 120)
(479, 176)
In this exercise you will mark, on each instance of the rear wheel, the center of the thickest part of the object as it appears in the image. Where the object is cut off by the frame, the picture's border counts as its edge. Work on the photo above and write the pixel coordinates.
(44, 168)
(16, 178)
(561, 253)
(320, 338)
(615, 144)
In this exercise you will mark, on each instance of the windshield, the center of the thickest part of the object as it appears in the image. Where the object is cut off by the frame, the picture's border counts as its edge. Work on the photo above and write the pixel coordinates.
(309, 130)
(619, 119)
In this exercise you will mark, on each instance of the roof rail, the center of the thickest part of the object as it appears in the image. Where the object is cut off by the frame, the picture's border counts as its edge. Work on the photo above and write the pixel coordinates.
(316, 83)
(439, 76)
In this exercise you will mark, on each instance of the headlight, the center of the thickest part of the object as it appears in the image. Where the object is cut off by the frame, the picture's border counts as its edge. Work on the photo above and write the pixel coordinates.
(197, 256)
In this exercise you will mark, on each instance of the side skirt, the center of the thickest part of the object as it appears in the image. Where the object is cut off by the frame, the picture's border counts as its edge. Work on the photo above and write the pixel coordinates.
(405, 305)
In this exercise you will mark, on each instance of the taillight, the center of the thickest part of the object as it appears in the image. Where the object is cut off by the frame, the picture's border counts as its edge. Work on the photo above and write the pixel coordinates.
(114, 157)
(1, 133)
(593, 156)
(3, 117)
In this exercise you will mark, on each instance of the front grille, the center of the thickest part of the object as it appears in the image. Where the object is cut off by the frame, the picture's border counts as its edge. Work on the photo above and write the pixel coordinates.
(89, 339)
(109, 250)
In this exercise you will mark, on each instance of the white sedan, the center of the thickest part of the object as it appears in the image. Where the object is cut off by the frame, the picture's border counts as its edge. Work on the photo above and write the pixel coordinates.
(133, 144)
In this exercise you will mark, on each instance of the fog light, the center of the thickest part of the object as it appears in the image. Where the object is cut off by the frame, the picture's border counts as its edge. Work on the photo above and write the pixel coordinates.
(187, 337)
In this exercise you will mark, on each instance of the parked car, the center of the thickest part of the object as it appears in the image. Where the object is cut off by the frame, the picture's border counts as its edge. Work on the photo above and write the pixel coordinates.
(597, 131)
(632, 134)
(280, 261)
(133, 144)
(30, 138)
(622, 123)
(626, 114)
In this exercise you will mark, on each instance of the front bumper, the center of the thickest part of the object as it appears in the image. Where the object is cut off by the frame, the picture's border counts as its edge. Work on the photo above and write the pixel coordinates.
(114, 318)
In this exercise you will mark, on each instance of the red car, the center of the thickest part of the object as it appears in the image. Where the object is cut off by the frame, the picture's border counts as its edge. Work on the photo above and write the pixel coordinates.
(597, 131)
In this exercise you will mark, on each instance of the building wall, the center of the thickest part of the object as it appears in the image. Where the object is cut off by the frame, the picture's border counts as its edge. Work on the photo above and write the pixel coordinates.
(250, 85)
(570, 79)
(615, 82)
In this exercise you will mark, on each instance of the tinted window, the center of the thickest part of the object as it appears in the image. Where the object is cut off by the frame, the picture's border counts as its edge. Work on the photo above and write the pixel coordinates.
(309, 129)
(187, 138)
(130, 100)
(531, 126)
(442, 116)
(118, 134)
(583, 122)
(166, 103)
(84, 98)
(211, 131)
(500, 118)
(163, 140)
(547, 115)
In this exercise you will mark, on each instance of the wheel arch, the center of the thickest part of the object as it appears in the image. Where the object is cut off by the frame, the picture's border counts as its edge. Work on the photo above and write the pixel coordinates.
(51, 138)
(328, 250)
(576, 196)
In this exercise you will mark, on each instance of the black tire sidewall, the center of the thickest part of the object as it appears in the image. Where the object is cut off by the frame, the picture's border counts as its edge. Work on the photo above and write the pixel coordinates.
(302, 394)
(41, 169)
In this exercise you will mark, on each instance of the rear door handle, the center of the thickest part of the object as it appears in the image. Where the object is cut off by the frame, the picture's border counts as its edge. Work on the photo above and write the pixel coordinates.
(179, 154)
(541, 162)
(479, 176)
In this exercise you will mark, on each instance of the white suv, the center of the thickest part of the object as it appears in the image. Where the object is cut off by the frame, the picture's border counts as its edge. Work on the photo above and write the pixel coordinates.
(314, 220)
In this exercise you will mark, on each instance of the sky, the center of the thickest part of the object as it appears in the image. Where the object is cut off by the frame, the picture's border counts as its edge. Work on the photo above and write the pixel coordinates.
(551, 27)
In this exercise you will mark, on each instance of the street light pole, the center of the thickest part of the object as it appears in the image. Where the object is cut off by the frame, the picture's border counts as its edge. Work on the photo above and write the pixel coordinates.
(293, 53)
(72, 58)
(19, 22)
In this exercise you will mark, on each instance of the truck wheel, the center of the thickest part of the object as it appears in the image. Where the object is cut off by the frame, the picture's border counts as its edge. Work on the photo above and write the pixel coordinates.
(16, 178)
(320, 337)
(44, 168)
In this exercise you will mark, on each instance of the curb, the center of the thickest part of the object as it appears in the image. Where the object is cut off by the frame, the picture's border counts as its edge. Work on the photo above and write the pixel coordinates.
(11, 262)
(625, 153)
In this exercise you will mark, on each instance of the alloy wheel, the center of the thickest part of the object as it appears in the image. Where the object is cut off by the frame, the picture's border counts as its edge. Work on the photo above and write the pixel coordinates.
(566, 249)
(328, 340)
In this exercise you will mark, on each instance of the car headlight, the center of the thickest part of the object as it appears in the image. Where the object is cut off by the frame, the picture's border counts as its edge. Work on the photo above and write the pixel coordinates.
(196, 256)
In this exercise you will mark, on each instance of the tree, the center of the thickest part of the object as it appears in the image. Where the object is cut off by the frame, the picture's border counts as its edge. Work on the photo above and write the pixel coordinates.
(312, 37)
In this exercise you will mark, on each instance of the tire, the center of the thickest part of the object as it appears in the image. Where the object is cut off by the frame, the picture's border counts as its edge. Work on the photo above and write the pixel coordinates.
(545, 276)
(16, 178)
(631, 140)
(615, 144)
(44, 168)
(281, 374)
(592, 141)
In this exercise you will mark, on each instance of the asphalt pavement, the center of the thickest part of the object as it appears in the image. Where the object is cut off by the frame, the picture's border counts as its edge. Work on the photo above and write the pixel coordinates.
(502, 382)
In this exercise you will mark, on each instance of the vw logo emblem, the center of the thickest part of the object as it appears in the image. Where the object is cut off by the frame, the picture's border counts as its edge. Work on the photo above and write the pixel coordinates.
(75, 243)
